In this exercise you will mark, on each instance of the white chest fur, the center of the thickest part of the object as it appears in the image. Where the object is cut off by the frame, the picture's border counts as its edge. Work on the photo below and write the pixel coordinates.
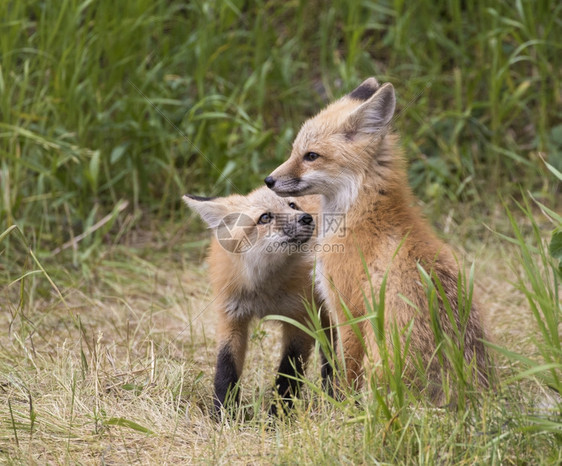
(322, 284)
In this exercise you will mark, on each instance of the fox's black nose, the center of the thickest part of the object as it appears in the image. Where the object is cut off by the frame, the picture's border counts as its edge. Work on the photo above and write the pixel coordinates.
(305, 219)
(270, 182)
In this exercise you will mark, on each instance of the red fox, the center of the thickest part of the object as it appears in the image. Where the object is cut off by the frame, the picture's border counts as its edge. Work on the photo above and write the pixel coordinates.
(346, 155)
(257, 269)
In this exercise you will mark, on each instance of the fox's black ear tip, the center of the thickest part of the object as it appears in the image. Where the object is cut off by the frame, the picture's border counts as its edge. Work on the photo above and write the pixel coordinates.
(185, 197)
(365, 90)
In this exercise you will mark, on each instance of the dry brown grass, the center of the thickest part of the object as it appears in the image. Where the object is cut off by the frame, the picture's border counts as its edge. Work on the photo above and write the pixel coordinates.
(118, 369)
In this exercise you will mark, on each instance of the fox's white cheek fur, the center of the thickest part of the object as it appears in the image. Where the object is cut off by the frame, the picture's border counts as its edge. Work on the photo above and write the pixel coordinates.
(338, 192)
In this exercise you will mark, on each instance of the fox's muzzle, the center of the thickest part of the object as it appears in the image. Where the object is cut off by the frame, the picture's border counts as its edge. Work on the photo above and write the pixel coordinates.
(300, 230)
(306, 219)
(286, 187)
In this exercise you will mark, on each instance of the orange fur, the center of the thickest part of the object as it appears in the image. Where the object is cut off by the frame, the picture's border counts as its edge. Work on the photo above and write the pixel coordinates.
(360, 173)
(265, 279)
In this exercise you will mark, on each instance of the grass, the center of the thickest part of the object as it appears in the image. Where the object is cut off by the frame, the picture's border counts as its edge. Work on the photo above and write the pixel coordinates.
(118, 368)
(110, 111)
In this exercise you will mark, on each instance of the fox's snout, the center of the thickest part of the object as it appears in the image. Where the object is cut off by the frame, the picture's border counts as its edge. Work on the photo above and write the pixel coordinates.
(306, 219)
(285, 180)
(287, 187)
(269, 182)
(300, 230)
(285, 183)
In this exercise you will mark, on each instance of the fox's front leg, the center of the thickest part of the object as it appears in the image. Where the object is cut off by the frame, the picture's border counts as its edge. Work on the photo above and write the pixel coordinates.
(327, 355)
(233, 338)
(296, 351)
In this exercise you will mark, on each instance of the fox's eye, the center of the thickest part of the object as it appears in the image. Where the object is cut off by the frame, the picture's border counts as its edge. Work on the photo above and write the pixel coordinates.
(265, 218)
(292, 205)
(310, 156)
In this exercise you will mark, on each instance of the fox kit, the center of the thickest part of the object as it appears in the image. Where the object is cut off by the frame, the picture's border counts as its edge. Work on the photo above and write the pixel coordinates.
(345, 154)
(259, 266)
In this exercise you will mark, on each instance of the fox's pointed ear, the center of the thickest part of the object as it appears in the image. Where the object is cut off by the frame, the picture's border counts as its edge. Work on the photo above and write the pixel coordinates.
(375, 113)
(365, 90)
(211, 210)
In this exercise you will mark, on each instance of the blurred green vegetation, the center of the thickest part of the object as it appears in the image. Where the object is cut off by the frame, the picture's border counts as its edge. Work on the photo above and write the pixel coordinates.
(146, 100)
